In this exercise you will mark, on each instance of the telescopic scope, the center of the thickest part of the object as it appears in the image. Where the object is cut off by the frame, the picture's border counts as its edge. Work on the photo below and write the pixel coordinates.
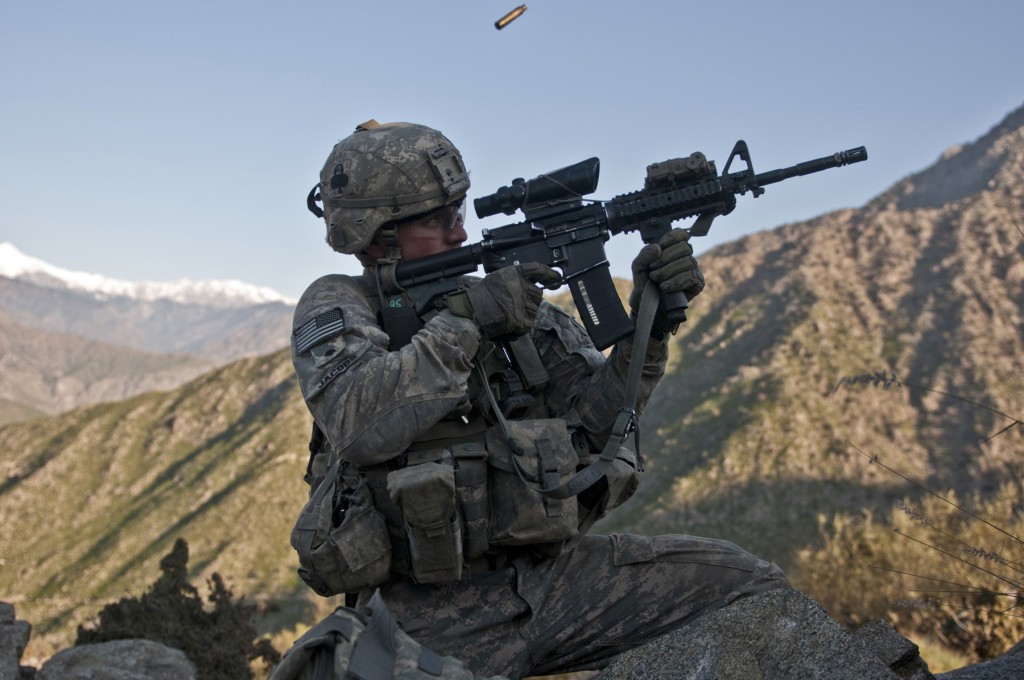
(569, 183)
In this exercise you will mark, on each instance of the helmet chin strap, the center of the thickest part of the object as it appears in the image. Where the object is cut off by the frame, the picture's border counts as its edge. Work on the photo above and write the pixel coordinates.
(397, 313)
(392, 256)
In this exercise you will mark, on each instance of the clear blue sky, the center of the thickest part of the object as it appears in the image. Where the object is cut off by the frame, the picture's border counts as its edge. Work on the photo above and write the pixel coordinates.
(146, 140)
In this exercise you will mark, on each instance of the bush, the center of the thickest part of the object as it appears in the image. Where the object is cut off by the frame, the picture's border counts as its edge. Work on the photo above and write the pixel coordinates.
(218, 637)
(934, 567)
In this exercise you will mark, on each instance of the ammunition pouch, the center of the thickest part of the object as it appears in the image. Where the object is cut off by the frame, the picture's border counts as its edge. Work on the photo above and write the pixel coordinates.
(450, 507)
(460, 504)
(425, 496)
(536, 455)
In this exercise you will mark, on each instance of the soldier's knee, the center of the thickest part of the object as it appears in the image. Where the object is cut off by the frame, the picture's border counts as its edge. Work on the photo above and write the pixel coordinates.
(767, 576)
(776, 576)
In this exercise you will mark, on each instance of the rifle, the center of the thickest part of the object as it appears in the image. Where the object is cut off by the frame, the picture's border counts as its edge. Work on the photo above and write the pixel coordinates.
(562, 232)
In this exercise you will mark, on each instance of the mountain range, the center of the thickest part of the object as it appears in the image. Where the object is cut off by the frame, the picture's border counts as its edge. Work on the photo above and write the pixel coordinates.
(15, 264)
(891, 332)
(71, 338)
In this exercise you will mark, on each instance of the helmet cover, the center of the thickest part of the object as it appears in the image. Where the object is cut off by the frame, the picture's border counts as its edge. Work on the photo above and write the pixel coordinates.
(384, 173)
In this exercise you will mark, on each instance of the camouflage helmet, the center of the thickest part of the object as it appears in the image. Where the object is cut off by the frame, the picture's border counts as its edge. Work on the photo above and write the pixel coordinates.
(382, 173)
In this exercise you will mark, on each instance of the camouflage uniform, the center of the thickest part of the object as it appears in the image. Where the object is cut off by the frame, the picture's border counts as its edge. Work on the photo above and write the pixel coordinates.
(516, 611)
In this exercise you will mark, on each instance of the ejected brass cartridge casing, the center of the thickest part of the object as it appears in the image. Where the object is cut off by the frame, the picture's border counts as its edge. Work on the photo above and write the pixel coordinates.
(510, 17)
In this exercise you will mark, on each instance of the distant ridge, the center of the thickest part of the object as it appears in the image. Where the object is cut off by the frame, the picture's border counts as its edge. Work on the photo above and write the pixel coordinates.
(42, 372)
(218, 320)
(14, 264)
(71, 338)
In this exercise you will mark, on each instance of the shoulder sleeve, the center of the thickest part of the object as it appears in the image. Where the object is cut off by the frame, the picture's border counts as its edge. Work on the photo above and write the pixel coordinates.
(372, 403)
(586, 381)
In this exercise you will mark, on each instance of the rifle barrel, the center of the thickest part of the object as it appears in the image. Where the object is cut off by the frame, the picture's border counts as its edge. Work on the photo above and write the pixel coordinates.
(836, 160)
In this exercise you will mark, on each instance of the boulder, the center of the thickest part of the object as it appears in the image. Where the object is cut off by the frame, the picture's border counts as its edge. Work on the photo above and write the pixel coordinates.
(14, 637)
(119, 660)
(778, 635)
(896, 651)
(1008, 665)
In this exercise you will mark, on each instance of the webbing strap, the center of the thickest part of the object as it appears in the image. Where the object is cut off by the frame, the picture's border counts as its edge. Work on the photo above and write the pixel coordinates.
(316, 442)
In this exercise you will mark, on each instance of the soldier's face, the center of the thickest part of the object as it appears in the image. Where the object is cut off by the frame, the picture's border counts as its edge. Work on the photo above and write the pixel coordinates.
(436, 232)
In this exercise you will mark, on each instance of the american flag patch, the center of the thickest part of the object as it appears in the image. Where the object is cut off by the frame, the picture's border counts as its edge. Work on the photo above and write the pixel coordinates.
(315, 331)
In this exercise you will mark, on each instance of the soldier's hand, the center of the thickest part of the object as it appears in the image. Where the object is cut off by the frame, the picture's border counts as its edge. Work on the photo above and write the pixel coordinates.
(670, 264)
(505, 303)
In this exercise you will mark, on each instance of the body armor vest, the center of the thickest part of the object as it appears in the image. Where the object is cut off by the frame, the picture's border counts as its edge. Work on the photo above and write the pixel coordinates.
(470, 493)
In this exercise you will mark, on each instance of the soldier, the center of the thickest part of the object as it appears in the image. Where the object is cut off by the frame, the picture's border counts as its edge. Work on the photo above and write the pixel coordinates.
(433, 443)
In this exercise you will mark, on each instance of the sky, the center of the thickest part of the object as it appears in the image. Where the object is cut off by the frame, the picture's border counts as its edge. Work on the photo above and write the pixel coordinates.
(160, 141)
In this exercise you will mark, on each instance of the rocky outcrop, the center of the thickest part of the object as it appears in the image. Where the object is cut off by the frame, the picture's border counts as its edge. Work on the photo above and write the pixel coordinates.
(779, 635)
(786, 635)
(1009, 665)
(14, 636)
(119, 660)
(897, 652)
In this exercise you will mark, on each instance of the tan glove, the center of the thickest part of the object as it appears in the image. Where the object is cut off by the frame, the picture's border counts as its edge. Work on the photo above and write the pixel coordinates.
(505, 303)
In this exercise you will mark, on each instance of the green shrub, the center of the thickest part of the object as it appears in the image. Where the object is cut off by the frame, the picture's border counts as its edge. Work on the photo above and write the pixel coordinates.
(217, 636)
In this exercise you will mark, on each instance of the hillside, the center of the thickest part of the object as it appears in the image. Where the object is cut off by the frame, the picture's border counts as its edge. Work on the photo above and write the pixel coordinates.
(73, 338)
(210, 331)
(748, 434)
(749, 437)
(46, 373)
(91, 499)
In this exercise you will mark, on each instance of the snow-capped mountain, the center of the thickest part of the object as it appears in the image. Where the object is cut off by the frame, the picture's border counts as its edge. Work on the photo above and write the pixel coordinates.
(70, 338)
(214, 320)
(215, 293)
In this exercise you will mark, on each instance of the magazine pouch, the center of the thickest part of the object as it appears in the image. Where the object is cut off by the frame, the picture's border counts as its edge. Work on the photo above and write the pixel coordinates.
(425, 496)
(536, 455)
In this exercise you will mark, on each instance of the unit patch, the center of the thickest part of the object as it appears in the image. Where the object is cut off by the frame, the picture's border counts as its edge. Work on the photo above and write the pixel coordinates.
(327, 351)
(323, 326)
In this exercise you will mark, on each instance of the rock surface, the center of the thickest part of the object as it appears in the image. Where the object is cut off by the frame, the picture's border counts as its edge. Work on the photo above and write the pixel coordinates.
(14, 637)
(896, 651)
(779, 635)
(119, 660)
(1009, 665)
(786, 635)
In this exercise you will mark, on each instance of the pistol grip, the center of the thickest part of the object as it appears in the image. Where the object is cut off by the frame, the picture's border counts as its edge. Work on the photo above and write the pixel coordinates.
(674, 305)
